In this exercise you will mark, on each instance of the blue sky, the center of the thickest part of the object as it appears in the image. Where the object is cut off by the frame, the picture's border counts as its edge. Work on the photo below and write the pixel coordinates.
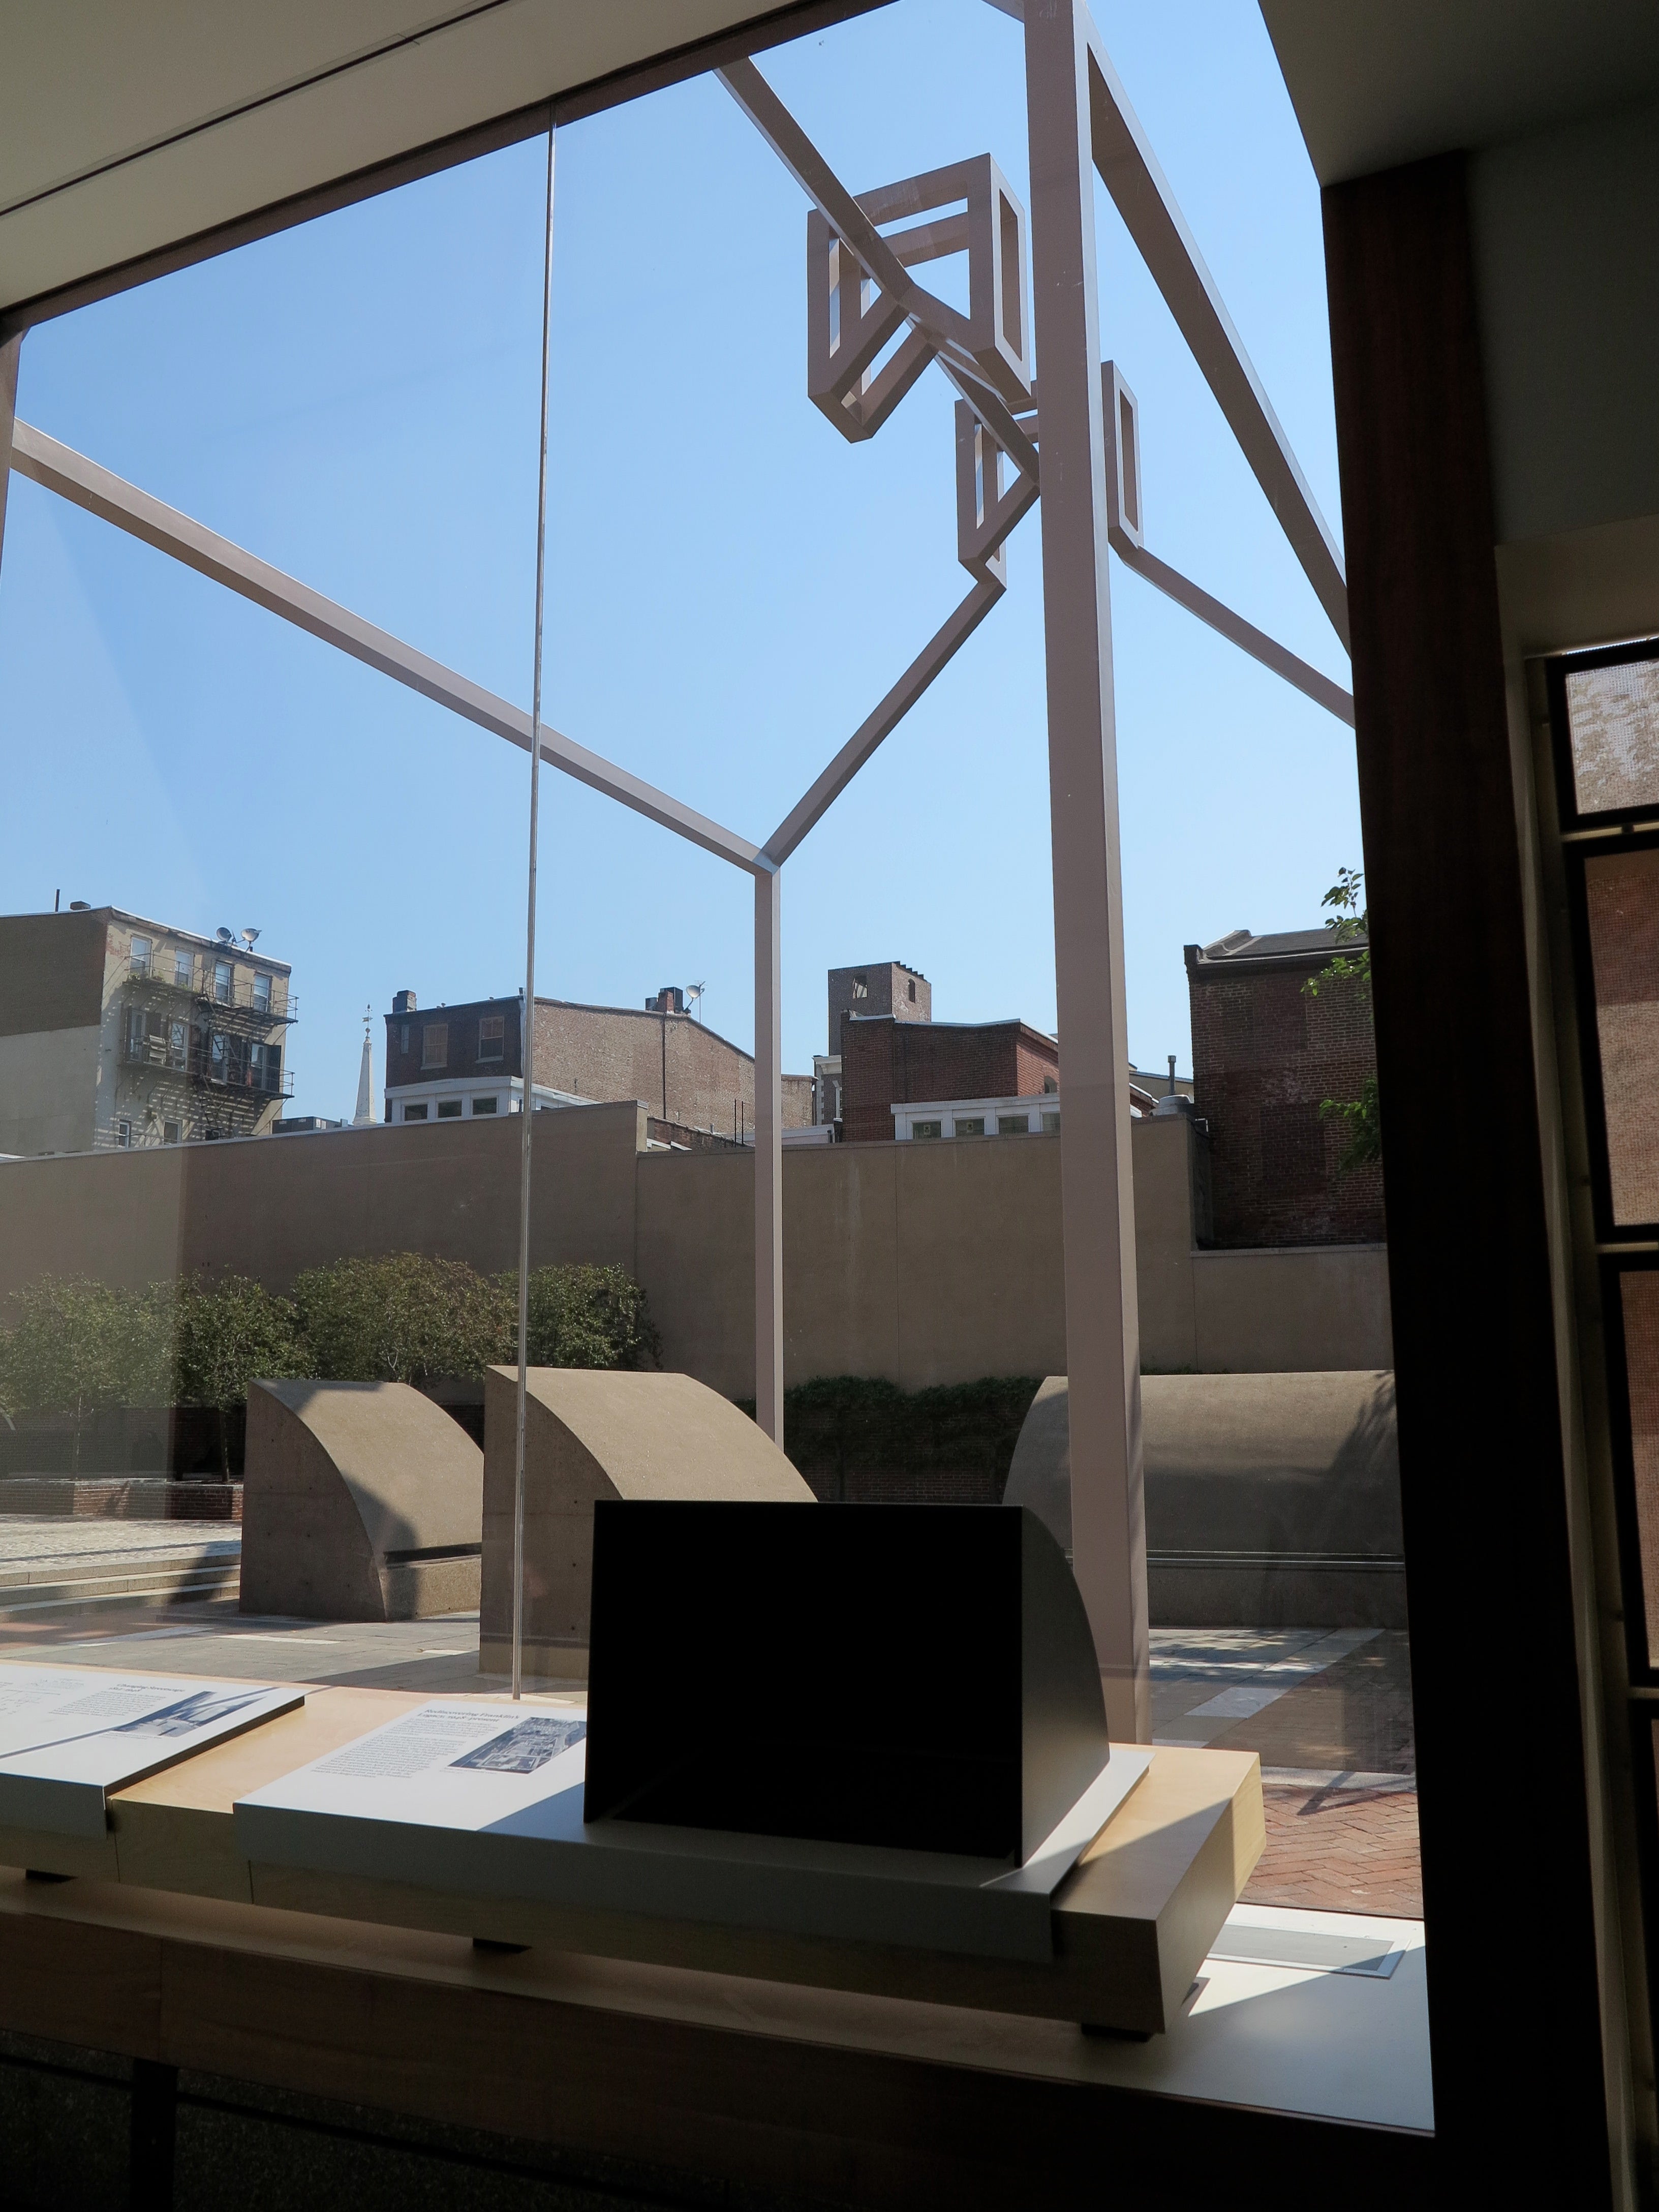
(730, 587)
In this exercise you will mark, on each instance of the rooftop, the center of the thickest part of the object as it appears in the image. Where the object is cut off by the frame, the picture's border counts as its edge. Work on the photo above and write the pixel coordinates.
(1289, 946)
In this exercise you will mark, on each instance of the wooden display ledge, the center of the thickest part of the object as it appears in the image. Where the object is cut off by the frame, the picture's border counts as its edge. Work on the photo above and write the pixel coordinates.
(1132, 1921)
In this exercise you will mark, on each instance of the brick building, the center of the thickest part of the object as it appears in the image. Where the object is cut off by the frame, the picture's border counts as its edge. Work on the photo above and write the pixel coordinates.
(888, 1058)
(1266, 1057)
(451, 1062)
(120, 1032)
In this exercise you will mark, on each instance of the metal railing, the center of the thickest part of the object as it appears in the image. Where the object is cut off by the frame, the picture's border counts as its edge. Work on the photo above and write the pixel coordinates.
(237, 995)
(197, 1064)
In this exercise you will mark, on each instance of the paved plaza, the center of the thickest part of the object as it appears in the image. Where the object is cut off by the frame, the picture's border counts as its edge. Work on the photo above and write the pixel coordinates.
(1329, 1710)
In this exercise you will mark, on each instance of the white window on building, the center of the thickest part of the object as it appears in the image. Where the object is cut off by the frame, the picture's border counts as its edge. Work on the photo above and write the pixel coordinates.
(181, 970)
(486, 1105)
(262, 993)
(169, 1133)
(217, 1055)
(971, 1125)
(123, 1135)
(449, 1109)
(922, 1129)
(178, 1044)
(435, 1044)
(221, 978)
(141, 949)
(1013, 1125)
(415, 1113)
(1051, 1125)
(137, 1025)
(492, 1031)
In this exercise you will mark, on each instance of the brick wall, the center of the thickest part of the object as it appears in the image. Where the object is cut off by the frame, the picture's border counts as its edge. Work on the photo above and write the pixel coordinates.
(887, 1061)
(405, 1037)
(1265, 1057)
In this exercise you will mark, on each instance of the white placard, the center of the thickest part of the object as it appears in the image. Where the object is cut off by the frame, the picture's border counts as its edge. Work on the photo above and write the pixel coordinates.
(70, 1735)
(484, 1799)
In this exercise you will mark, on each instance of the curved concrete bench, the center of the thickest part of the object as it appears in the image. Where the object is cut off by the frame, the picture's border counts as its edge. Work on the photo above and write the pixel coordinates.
(591, 1433)
(361, 1501)
(1272, 1500)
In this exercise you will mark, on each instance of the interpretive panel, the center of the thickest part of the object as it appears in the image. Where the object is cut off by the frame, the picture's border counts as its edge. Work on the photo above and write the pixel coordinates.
(484, 1799)
(70, 1735)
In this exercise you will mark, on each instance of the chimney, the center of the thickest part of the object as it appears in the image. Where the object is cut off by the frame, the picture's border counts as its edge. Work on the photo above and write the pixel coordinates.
(403, 1002)
(671, 999)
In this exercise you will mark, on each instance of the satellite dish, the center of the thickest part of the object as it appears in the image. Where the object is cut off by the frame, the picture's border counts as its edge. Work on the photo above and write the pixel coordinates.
(224, 936)
(248, 936)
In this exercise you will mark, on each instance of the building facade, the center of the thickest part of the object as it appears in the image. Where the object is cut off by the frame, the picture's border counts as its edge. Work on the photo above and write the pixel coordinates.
(1267, 1055)
(889, 1060)
(879, 987)
(116, 1031)
(456, 1061)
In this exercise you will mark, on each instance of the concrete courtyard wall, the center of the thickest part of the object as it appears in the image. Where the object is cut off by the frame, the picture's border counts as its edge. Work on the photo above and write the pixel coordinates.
(921, 1263)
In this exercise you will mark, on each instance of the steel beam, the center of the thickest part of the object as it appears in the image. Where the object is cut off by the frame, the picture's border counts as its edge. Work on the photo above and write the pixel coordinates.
(1321, 689)
(768, 1154)
(841, 212)
(9, 353)
(1103, 1333)
(957, 628)
(1141, 191)
(82, 482)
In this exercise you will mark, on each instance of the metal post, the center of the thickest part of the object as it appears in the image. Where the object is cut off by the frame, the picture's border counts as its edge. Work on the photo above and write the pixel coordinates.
(9, 353)
(1103, 1334)
(768, 1155)
(527, 1024)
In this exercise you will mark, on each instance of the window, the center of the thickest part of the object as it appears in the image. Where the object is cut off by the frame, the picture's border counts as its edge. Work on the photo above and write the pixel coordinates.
(169, 1133)
(1049, 1086)
(141, 952)
(1051, 1125)
(137, 1022)
(178, 1044)
(222, 975)
(182, 969)
(123, 1135)
(403, 1037)
(218, 1055)
(1013, 1125)
(449, 1109)
(435, 1044)
(925, 1129)
(415, 1113)
(486, 1105)
(860, 986)
(262, 993)
(491, 1034)
(912, 989)
(970, 1125)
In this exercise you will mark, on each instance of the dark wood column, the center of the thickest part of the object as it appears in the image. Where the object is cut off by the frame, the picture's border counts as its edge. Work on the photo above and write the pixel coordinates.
(1519, 2096)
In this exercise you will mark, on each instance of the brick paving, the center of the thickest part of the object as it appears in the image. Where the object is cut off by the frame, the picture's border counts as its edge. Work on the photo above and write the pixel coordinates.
(1340, 1849)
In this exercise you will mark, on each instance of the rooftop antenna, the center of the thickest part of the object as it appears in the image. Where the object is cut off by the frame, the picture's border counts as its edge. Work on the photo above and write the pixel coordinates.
(693, 993)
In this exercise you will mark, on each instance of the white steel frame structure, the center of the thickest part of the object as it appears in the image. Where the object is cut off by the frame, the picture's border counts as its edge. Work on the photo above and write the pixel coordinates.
(1081, 452)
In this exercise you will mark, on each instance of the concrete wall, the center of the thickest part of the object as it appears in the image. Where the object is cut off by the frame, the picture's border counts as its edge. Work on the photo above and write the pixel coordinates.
(923, 1263)
(48, 1089)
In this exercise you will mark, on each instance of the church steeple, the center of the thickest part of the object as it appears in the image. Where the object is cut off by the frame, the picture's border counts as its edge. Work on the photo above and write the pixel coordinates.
(364, 1116)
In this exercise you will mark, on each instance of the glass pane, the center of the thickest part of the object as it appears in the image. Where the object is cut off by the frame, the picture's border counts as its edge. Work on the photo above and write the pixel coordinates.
(1638, 1295)
(1613, 716)
(1622, 903)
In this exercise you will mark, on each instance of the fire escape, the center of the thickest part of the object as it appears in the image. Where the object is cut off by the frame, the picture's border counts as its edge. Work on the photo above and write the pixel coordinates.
(205, 1057)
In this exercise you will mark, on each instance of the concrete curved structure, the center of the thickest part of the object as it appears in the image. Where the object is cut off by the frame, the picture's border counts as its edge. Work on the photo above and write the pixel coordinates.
(591, 1433)
(1272, 1500)
(361, 1501)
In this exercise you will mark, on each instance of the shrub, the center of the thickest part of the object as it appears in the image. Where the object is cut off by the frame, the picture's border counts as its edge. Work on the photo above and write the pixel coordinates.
(402, 1318)
(859, 1424)
(585, 1316)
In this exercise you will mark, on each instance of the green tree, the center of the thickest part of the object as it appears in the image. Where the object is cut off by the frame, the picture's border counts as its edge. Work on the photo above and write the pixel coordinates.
(587, 1316)
(74, 1346)
(402, 1318)
(226, 1336)
(1348, 923)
